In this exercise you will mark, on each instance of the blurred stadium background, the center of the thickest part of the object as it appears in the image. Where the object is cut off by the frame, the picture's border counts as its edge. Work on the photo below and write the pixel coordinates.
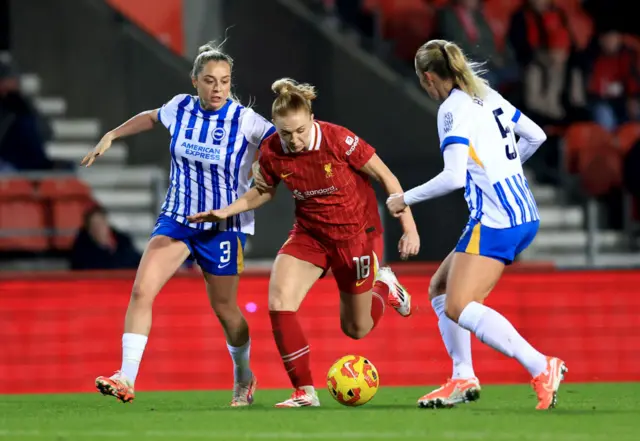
(78, 68)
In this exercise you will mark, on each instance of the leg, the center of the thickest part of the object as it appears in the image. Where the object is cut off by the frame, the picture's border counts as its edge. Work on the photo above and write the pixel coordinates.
(471, 279)
(220, 254)
(161, 259)
(291, 279)
(463, 386)
(363, 293)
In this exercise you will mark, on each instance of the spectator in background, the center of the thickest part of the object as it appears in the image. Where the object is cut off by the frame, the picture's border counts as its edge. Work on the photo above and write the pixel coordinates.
(533, 27)
(464, 22)
(98, 246)
(23, 131)
(614, 85)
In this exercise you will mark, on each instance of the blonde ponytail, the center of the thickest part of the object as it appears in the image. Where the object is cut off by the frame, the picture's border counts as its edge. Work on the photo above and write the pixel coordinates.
(291, 96)
(447, 60)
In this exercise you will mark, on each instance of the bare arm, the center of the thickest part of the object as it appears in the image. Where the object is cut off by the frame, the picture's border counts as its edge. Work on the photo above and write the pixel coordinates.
(379, 171)
(251, 200)
(140, 123)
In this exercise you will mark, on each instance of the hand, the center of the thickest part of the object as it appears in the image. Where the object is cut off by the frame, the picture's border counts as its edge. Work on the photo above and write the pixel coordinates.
(102, 147)
(207, 216)
(409, 245)
(258, 179)
(395, 204)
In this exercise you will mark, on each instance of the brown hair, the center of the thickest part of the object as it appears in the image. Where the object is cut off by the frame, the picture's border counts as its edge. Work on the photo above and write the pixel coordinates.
(291, 96)
(447, 60)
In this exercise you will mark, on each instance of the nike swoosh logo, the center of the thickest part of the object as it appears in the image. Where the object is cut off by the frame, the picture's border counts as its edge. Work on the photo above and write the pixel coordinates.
(285, 175)
(348, 367)
(224, 266)
(361, 282)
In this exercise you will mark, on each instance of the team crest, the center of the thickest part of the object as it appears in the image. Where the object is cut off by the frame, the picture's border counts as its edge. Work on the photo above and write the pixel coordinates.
(448, 122)
(218, 134)
(327, 170)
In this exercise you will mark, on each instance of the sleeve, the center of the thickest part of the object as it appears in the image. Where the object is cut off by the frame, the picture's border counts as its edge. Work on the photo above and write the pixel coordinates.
(453, 126)
(531, 136)
(258, 128)
(266, 169)
(356, 150)
(451, 178)
(169, 111)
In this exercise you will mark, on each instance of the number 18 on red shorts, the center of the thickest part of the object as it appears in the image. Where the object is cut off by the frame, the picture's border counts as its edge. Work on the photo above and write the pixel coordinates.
(354, 264)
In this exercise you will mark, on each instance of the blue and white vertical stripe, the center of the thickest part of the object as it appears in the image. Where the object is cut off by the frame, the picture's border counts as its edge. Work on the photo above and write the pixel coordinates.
(210, 161)
(516, 200)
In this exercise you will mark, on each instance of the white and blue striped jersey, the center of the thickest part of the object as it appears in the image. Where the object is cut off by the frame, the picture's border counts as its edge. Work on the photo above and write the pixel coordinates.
(211, 157)
(496, 191)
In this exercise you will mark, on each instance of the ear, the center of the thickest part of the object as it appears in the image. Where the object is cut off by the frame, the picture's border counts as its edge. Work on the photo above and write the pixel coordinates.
(429, 77)
(312, 117)
(194, 81)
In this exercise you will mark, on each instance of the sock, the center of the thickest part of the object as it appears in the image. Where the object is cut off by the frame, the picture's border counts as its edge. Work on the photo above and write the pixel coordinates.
(494, 329)
(293, 347)
(240, 356)
(456, 339)
(132, 350)
(379, 296)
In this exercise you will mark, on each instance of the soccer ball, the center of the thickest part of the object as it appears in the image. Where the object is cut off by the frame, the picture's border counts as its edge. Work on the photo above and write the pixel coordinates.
(353, 380)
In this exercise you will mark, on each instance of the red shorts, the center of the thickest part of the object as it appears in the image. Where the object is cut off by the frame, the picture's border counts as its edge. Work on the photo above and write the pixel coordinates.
(353, 264)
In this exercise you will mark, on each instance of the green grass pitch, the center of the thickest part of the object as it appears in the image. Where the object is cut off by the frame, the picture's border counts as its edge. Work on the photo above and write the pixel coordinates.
(585, 412)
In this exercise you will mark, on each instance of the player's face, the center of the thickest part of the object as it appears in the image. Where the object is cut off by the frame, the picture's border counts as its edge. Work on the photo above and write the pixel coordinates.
(295, 129)
(213, 84)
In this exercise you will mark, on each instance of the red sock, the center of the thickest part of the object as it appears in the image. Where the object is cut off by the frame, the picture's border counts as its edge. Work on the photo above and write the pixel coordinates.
(293, 347)
(379, 296)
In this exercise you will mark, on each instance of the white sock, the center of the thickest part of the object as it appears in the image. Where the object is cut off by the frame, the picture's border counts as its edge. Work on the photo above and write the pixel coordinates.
(240, 356)
(132, 350)
(494, 329)
(456, 339)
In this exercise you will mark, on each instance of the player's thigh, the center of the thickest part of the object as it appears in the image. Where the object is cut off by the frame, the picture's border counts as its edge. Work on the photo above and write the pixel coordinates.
(161, 259)
(300, 263)
(354, 268)
(471, 279)
(220, 254)
(355, 265)
(438, 282)
(355, 313)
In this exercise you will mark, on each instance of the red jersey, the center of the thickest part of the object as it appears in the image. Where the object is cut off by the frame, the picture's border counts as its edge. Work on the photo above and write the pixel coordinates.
(335, 201)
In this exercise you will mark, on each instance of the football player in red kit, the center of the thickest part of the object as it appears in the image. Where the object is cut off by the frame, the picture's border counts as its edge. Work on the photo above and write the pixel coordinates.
(327, 169)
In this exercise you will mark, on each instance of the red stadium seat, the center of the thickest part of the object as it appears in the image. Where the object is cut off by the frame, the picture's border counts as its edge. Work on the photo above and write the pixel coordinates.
(600, 170)
(22, 217)
(583, 137)
(498, 15)
(581, 28)
(409, 23)
(627, 135)
(69, 198)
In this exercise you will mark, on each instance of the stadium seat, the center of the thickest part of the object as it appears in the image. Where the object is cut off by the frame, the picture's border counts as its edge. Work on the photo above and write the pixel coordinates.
(582, 137)
(627, 135)
(600, 170)
(581, 28)
(409, 23)
(498, 14)
(22, 217)
(68, 198)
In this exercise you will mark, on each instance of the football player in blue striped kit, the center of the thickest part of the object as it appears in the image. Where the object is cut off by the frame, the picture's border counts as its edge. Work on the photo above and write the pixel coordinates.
(214, 140)
(477, 129)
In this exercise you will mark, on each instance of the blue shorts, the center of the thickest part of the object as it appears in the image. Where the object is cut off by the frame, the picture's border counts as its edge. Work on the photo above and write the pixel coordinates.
(502, 244)
(220, 253)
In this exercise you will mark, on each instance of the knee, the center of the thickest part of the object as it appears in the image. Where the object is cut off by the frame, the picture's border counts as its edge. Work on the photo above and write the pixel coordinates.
(436, 288)
(281, 300)
(354, 330)
(453, 308)
(141, 295)
(225, 310)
